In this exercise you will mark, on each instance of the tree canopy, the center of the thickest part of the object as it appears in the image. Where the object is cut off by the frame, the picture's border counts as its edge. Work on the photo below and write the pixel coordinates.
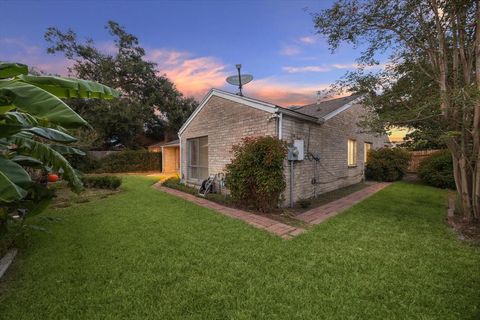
(432, 79)
(150, 103)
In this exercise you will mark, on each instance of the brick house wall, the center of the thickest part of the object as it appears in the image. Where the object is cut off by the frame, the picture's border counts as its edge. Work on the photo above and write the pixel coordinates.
(225, 123)
(329, 141)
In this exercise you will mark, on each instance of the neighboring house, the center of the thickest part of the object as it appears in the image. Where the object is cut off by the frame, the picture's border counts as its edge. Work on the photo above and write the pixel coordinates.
(170, 155)
(334, 144)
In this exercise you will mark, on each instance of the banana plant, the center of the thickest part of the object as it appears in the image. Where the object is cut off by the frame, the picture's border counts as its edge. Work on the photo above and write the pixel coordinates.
(34, 124)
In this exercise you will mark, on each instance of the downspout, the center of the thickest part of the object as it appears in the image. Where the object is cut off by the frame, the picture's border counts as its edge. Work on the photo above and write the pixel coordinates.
(291, 184)
(280, 126)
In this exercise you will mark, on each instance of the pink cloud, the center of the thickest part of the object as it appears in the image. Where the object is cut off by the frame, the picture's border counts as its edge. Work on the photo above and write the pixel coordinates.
(193, 76)
(308, 39)
(283, 93)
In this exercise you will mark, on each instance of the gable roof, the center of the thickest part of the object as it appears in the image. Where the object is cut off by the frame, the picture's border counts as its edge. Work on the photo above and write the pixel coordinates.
(328, 109)
(254, 103)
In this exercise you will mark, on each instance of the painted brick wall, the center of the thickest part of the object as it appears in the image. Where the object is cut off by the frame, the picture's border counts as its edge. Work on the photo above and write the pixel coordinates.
(225, 123)
(329, 141)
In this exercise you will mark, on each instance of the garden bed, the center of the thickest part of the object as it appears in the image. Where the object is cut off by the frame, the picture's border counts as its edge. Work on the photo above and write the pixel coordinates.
(284, 215)
(280, 214)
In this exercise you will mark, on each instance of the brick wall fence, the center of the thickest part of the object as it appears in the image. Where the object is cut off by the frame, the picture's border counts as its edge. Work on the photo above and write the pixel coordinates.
(417, 157)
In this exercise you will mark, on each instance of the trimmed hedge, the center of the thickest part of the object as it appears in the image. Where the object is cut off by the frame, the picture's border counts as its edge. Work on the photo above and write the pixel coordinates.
(124, 161)
(102, 182)
(386, 164)
(437, 170)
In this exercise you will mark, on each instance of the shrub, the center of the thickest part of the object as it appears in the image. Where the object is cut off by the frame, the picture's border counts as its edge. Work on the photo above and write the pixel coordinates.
(83, 163)
(387, 164)
(102, 182)
(130, 161)
(437, 170)
(255, 175)
(174, 183)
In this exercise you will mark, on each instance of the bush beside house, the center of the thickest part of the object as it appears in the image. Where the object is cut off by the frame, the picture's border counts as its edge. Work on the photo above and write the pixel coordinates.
(437, 170)
(255, 176)
(386, 164)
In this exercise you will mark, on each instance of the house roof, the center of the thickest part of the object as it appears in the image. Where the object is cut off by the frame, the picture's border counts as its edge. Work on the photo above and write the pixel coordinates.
(165, 144)
(254, 103)
(172, 143)
(317, 113)
(327, 109)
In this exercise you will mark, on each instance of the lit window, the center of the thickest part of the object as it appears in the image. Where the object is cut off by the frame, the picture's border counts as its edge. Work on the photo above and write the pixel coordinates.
(197, 158)
(352, 152)
(367, 146)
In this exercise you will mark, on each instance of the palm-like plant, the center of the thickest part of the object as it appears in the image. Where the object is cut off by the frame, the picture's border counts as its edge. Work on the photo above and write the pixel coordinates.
(34, 124)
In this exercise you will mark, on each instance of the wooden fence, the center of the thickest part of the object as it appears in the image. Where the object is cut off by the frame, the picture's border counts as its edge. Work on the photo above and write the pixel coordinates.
(417, 157)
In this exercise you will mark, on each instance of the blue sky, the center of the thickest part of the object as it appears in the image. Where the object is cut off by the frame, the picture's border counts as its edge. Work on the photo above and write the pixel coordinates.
(196, 43)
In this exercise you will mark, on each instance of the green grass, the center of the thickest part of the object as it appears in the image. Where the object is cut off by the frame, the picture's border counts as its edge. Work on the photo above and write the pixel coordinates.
(143, 254)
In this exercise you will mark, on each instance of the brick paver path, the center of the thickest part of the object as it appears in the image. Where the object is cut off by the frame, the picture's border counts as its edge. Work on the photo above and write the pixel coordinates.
(322, 213)
(283, 230)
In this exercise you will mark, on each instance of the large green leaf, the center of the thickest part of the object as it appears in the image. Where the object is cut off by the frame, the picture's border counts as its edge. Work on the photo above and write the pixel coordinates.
(64, 150)
(8, 129)
(9, 69)
(50, 158)
(52, 134)
(14, 172)
(71, 87)
(9, 191)
(27, 161)
(40, 103)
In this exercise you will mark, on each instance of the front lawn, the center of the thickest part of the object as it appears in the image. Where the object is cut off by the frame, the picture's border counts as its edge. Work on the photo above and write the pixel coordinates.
(143, 254)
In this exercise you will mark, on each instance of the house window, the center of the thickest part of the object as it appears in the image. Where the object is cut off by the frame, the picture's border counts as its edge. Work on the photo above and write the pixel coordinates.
(197, 158)
(367, 146)
(352, 153)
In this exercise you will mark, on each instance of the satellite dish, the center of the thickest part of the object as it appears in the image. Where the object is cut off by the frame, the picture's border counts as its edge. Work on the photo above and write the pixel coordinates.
(234, 80)
(240, 79)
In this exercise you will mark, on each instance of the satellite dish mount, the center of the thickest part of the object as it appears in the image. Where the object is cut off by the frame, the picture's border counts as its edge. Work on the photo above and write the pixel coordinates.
(239, 80)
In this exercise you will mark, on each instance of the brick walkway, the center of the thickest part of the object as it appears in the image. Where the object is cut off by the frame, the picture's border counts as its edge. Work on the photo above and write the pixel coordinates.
(280, 229)
(322, 213)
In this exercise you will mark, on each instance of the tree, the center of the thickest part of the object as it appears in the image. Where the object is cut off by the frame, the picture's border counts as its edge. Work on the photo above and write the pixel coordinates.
(433, 77)
(150, 102)
(34, 124)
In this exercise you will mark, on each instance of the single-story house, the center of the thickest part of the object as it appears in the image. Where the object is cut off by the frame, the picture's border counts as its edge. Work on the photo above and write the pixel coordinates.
(170, 155)
(334, 145)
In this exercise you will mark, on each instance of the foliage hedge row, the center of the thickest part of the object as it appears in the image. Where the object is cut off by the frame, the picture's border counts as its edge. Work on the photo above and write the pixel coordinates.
(125, 161)
(255, 175)
(387, 164)
(102, 182)
(437, 170)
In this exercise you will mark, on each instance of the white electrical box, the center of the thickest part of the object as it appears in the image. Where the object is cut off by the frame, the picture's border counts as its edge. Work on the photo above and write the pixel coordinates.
(298, 144)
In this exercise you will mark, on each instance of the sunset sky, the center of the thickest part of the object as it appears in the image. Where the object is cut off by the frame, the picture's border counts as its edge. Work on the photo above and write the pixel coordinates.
(196, 43)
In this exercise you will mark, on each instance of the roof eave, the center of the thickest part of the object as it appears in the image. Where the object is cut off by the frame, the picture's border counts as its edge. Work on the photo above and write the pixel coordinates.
(299, 115)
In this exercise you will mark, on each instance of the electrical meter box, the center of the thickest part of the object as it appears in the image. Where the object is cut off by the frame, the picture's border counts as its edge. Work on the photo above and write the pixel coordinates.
(296, 152)
(298, 144)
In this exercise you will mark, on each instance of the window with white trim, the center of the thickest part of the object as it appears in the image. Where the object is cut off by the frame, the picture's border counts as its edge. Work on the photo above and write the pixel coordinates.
(197, 158)
(367, 146)
(352, 153)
